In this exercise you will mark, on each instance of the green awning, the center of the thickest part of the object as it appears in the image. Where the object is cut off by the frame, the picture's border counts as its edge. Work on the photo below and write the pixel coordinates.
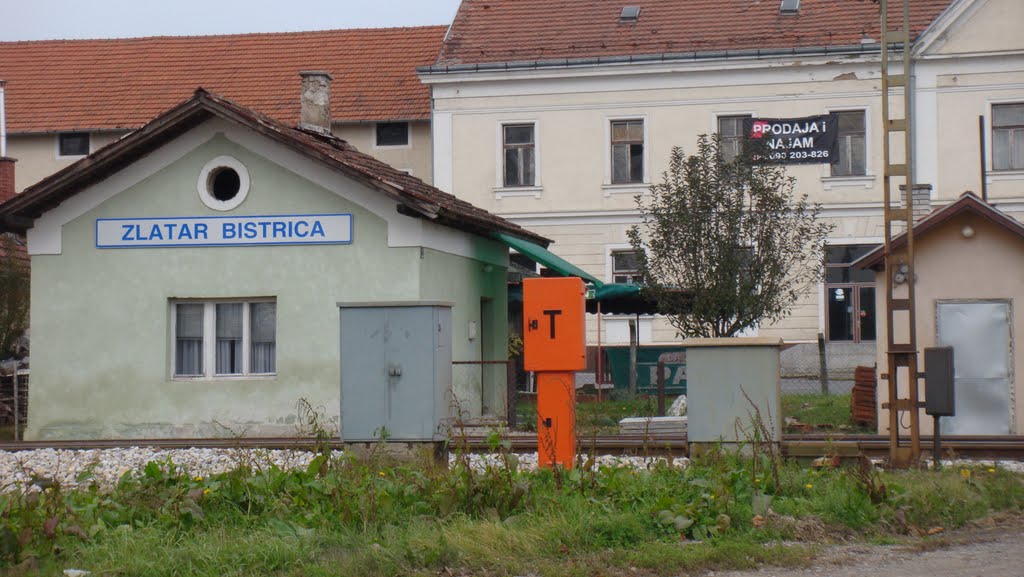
(546, 257)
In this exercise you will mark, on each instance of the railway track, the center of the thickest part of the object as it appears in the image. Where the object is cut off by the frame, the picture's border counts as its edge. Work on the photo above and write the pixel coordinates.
(806, 445)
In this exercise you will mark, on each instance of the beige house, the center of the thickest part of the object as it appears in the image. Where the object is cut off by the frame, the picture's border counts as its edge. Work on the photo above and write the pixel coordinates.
(969, 264)
(556, 117)
(67, 98)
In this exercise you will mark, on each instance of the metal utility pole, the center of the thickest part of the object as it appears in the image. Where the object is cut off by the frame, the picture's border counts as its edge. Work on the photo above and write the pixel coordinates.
(900, 312)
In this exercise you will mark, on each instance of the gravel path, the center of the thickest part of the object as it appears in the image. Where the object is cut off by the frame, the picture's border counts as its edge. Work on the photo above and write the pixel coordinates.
(992, 548)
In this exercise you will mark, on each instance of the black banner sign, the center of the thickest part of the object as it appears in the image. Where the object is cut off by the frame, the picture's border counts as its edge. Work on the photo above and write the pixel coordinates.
(809, 140)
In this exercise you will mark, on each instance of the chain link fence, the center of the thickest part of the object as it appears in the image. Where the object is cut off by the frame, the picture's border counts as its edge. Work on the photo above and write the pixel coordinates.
(823, 367)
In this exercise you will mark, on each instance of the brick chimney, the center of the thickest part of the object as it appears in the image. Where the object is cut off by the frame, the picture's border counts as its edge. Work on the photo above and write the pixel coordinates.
(922, 199)
(6, 178)
(316, 101)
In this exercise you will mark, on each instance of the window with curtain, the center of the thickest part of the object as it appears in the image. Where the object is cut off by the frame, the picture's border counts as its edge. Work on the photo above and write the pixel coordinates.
(188, 348)
(264, 342)
(225, 338)
(229, 338)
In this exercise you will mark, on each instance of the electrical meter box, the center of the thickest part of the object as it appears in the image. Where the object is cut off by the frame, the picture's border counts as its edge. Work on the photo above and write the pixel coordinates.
(939, 375)
(554, 336)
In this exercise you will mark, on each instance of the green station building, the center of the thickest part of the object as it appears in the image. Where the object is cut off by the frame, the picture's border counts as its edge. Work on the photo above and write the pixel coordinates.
(190, 280)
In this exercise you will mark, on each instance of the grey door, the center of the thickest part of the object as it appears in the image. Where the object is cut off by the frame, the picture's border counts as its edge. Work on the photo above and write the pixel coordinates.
(387, 373)
(979, 333)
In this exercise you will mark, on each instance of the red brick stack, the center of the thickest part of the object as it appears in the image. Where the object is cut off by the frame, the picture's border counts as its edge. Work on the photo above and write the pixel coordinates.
(862, 401)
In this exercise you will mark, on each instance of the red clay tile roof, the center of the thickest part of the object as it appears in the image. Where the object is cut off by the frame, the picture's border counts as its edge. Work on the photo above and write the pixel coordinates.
(415, 197)
(488, 31)
(65, 85)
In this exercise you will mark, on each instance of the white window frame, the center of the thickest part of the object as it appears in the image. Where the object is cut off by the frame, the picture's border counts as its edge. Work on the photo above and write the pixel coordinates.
(56, 144)
(866, 180)
(210, 339)
(203, 184)
(632, 187)
(992, 175)
(611, 264)
(500, 190)
(716, 115)
(408, 136)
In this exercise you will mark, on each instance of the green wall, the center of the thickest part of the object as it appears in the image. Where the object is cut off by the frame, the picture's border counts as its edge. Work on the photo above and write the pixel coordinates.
(101, 317)
(477, 389)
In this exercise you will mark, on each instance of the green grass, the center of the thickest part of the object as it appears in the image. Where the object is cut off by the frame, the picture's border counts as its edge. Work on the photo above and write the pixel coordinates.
(825, 412)
(593, 416)
(821, 412)
(379, 519)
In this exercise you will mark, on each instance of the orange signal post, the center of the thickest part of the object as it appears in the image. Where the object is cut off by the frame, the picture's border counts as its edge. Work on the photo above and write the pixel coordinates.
(554, 346)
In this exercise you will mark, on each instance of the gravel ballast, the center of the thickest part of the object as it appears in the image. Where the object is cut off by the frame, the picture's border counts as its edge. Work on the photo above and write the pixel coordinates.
(68, 467)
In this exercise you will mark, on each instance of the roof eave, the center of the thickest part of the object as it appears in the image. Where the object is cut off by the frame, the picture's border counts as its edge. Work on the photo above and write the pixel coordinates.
(967, 203)
(54, 189)
(852, 49)
(18, 213)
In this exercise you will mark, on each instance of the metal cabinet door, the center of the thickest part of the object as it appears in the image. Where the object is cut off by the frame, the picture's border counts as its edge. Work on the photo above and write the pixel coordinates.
(409, 356)
(363, 394)
(387, 373)
(979, 333)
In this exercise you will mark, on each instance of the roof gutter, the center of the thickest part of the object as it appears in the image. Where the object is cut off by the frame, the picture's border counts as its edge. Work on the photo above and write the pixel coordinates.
(852, 49)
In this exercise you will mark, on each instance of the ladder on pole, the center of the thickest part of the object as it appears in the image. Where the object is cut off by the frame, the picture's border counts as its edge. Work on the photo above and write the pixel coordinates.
(900, 312)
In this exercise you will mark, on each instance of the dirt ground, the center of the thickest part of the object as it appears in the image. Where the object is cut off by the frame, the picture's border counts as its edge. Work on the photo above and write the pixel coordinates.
(993, 547)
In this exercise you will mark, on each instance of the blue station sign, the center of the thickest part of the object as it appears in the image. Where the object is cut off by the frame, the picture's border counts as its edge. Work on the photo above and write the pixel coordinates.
(186, 231)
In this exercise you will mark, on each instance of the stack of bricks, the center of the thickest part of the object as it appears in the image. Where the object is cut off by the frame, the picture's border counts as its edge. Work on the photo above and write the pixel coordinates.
(862, 399)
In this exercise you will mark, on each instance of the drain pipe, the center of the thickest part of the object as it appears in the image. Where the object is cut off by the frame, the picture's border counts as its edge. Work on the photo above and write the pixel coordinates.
(981, 141)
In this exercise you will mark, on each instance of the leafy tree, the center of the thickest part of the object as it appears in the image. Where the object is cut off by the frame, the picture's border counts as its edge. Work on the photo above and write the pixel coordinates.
(726, 245)
(14, 293)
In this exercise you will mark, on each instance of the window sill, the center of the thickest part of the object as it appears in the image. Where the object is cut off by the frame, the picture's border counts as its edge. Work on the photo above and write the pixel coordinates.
(512, 191)
(830, 182)
(71, 157)
(226, 378)
(405, 146)
(631, 188)
(1004, 175)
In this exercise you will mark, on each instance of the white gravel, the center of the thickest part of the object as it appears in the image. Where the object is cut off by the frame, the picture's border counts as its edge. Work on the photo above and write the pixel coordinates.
(107, 466)
(528, 461)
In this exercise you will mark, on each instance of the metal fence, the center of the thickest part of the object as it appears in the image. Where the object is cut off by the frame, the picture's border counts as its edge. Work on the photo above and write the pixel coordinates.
(822, 367)
(807, 368)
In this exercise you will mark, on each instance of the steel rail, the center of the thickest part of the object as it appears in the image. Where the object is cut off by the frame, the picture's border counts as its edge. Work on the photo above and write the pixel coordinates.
(979, 447)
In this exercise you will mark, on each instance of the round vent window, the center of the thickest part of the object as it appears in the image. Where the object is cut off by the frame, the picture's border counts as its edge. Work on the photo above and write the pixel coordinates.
(223, 183)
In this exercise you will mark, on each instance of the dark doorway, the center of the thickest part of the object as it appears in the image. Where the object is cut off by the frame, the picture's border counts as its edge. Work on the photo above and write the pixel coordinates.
(849, 295)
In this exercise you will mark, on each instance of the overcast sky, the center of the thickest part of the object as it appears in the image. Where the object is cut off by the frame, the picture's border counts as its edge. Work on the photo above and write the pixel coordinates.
(52, 19)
